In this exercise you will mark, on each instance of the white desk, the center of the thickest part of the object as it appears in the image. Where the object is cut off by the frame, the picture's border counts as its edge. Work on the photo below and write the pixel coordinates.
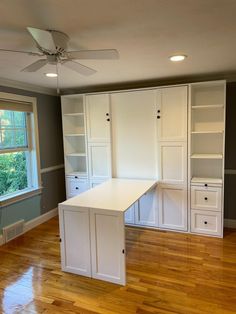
(92, 229)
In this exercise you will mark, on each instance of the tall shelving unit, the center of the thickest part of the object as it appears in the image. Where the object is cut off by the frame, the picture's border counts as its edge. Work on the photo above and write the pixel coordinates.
(75, 144)
(206, 153)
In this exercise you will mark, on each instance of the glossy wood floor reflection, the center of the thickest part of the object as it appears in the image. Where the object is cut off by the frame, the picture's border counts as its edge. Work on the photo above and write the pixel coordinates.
(167, 273)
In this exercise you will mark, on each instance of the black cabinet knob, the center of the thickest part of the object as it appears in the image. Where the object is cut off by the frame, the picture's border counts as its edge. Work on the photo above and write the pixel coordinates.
(76, 177)
(77, 188)
(206, 184)
(205, 222)
(108, 119)
(158, 117)
(205, 198)
(158, 111)
(107, 114)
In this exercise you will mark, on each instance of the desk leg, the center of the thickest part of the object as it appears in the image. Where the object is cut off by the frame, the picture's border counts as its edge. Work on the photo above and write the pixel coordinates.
(108, 245)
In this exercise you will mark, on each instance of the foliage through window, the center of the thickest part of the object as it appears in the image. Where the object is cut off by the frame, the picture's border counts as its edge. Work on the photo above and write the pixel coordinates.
(14, 151)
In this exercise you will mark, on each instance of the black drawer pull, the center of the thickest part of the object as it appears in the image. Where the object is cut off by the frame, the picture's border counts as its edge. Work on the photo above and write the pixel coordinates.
(77, 188)
(107, 114)
(205, 198)
(205, 222)
(108, 119)
(206, 184)
(158, 111)
(158, 117)
(76, 177)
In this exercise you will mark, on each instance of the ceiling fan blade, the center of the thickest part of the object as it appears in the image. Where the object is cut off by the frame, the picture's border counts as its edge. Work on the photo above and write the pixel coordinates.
(43, 38)
(77, 67)
(35, 66)
(94, 54)
(26, 52)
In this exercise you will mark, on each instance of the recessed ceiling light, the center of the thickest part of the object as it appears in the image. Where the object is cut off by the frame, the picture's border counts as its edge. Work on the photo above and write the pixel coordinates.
(51, 74)
(177, 58)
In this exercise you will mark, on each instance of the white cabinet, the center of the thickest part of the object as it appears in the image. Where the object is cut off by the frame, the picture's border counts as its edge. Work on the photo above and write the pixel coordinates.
(173, 207)
(99, 161)
(108, 257)
(76, 185)
(146, 209)
(172, 113)
(98, 118)
(93, 243)
(75, 241)
(206, 222)
(130, 215)
(208, 198)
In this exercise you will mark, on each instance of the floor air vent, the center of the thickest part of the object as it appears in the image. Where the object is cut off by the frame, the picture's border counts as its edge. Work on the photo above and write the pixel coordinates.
(12, 231)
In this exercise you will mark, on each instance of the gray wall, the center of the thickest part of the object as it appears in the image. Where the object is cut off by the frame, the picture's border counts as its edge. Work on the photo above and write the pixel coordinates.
(230, 151)
(51, 154)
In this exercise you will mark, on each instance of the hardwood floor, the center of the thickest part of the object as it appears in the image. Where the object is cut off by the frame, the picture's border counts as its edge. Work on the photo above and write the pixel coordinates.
(167, 273)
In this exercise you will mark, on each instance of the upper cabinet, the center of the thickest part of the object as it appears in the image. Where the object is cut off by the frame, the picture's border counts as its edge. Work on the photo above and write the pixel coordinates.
(172, 113)
(98, 118)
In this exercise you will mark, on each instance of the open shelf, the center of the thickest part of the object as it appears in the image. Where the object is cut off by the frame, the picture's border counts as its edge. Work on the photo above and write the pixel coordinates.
(206, 156)
(76, 155)
(74, 114)
(80, 174)
(207, 132)
(208, 106)
(75, 134)
(206, 180)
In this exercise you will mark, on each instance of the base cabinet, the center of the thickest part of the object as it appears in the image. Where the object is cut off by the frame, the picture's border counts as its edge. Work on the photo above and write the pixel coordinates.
(146, 211)
(206, 222)
(91, 256)
(130, 215)
(173, 207)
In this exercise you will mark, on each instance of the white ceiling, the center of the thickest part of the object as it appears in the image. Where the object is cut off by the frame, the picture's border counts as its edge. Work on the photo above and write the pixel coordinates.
(145, 32)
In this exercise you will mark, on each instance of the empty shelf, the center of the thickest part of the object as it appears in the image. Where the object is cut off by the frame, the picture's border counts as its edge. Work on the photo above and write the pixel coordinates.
(207, 156)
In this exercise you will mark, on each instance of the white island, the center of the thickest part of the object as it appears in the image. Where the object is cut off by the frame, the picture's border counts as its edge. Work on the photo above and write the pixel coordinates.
(92, 229)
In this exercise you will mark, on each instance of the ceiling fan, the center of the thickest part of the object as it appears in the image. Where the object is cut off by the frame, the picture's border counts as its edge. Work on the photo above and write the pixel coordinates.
(52, 45)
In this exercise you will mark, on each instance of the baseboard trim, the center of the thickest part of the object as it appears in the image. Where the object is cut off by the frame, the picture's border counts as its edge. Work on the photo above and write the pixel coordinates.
(39, 220)
(230, 223)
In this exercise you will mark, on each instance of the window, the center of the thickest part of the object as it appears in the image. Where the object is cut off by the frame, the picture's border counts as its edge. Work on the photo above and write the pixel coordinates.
(19, 162)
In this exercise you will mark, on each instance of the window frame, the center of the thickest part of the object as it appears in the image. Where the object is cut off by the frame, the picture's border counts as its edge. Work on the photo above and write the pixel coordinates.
(34, 183)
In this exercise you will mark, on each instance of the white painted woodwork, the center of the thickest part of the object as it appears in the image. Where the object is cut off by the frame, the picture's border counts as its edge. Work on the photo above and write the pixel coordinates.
(146, 209)
(113, 194)
(75, 241)
(172, 103)
(134, 134)
(75, 186)
(173, 207)
(108, 245)
(206, 222)
(99, 160)
(97, 114)
(173, 162)
(207, 198)
(129, 215)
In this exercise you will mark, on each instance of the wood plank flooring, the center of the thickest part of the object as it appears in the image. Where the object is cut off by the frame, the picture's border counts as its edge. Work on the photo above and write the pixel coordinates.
(167, 273)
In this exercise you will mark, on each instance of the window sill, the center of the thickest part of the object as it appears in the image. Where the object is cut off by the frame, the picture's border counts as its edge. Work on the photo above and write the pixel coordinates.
(20, 196)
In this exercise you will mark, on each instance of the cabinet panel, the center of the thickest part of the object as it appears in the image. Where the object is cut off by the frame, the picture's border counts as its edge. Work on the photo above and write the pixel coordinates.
(75, 186)
(99, 160)
(146, 209)
(134, 134)
(75, 244)
(172, 106)
(173, 207)
(129, 215)
(208, 198)
(173, 162)
(206, 222)
(108, 257)
(98, 114)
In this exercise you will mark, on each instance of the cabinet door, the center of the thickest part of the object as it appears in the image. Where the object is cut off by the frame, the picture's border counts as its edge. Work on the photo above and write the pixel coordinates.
(108, 245)
(129, 215)
(98, 118)
(75, 241)
(173, 162)
(99, 161)
(172, 114)
(146, 209)
(173, 207)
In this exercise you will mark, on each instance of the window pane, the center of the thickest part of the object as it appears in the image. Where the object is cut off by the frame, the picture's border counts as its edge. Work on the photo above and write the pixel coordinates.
(13, 129)
(13, 172)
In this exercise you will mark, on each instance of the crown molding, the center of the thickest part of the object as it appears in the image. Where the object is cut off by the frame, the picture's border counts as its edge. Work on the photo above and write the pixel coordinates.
(27, 86)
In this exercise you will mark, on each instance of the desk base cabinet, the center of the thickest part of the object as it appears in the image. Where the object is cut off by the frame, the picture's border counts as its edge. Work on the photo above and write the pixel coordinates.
(93, 243)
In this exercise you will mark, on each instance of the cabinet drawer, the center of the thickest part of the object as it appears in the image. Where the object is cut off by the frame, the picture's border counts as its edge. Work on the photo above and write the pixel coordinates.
(76, 186)
(208, 198)
(206, 222)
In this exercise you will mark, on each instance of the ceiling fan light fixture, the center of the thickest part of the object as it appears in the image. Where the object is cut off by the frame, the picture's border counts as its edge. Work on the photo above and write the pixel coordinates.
(177, 58)
(51, 74)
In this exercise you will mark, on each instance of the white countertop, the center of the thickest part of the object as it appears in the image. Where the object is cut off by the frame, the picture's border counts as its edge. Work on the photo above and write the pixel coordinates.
(114, 194)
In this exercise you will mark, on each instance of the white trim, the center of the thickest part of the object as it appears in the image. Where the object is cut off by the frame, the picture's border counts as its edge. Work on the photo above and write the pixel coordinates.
(19, 196)
(28, 87)
(230, 171)
(1, 240)
(39, 220)
(53, 168)
(230, 223)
